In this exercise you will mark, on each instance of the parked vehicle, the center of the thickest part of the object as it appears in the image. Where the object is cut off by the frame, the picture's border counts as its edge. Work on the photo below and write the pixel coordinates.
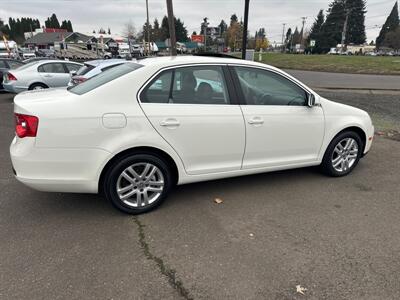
(135, 131)
(93, 68)
(39, 75)
(181, 48)
(5, 65)
(49, 53)
(8, 50)
(137, 50)
(123, 50)
(26, 53)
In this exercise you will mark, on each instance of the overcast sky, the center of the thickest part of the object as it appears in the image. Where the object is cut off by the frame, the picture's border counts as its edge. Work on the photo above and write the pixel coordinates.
(87, 15)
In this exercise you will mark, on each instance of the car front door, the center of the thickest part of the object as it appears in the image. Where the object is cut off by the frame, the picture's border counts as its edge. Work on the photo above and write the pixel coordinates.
(281, 129)
(54, 74)
(192, 109)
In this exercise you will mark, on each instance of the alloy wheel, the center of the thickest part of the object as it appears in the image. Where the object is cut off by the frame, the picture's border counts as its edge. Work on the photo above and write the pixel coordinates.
(344, 155)
(140, 185)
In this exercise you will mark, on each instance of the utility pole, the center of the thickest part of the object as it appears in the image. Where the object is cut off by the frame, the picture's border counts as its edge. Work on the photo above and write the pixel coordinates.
(171, 25)
(205, 26)
(148, 27)
(302, 30)
(344, 32)
(283, 37)
(246, 21)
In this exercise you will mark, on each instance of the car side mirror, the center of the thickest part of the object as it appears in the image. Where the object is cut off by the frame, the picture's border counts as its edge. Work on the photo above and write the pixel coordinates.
(72, 73)
(311, 100)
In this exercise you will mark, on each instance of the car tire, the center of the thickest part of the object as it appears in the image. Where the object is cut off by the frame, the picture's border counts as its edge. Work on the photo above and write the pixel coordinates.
(342, 154)
(38, 86)
(122, 187)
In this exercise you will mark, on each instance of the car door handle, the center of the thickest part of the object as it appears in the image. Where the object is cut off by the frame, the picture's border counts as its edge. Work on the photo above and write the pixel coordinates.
(170, 123)
(47, 75)
(256, 121)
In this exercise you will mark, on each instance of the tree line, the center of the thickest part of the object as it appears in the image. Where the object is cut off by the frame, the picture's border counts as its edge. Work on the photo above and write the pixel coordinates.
(345, 21)
(16, 28)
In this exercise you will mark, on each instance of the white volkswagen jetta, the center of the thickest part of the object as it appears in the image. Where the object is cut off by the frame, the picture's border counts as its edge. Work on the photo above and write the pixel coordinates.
(136, 130)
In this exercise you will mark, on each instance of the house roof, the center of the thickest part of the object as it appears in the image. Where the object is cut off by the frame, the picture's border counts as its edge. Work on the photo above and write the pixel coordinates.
(108, 39)
(47, 37)
(77, 36)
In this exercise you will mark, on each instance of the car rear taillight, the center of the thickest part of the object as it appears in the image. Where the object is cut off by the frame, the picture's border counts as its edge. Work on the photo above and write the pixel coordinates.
(11, 77)
(78, 79)
(26, 125)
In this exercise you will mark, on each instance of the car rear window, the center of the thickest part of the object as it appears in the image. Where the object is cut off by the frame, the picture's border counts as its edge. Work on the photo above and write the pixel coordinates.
(103, 78)
(85, 69)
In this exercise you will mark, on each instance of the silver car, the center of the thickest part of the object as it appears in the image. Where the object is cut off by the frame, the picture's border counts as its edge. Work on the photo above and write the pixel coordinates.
(39, 75)
(93, 68)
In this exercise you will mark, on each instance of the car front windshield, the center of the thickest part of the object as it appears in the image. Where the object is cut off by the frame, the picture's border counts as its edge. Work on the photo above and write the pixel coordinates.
(103, 78)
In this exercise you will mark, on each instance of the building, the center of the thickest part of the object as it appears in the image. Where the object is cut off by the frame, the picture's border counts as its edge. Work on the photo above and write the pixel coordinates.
(51, 40)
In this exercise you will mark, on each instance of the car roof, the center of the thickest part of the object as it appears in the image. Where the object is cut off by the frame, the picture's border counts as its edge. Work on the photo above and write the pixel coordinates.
(44, 61)
(167, 61)
(105, 62)
(11, 59)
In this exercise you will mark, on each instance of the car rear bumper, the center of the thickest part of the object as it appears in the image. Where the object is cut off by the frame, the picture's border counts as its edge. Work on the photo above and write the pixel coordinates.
(57, 169)
(11, 87)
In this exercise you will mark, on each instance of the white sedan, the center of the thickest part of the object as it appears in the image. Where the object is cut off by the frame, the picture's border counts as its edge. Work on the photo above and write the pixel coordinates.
(136, 130)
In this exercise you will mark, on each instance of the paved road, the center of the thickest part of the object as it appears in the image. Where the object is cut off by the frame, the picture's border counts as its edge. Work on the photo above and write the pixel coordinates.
(347, 81)
(339, 238)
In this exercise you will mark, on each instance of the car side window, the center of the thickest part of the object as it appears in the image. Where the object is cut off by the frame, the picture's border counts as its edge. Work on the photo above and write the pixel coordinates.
(262, 87)
(159, 89)
(72, 67)
(188, 85)
(51, 68)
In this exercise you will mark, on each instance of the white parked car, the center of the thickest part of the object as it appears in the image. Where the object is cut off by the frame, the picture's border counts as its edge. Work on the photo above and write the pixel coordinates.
(38, 75)
(135, 131)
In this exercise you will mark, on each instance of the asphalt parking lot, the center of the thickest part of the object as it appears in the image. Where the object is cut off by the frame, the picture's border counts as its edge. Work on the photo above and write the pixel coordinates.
(338, 238)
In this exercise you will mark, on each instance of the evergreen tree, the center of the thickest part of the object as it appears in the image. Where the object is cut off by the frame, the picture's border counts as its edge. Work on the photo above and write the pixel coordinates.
(356, 22)
(54, 21)
(164, 31)
(70, 29)
(316, 31)
(331, 33)
(391, 24)
(64, 25)
(223, 27)
(288, 38)
(109, 30)
(296, 37)
(180, 30)
(392, 39)
(156, 34)
(234, 19)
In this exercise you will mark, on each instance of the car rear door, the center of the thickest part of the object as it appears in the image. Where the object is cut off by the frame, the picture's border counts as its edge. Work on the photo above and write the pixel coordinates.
(281, 129)
(193, 109)
(54, 74)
